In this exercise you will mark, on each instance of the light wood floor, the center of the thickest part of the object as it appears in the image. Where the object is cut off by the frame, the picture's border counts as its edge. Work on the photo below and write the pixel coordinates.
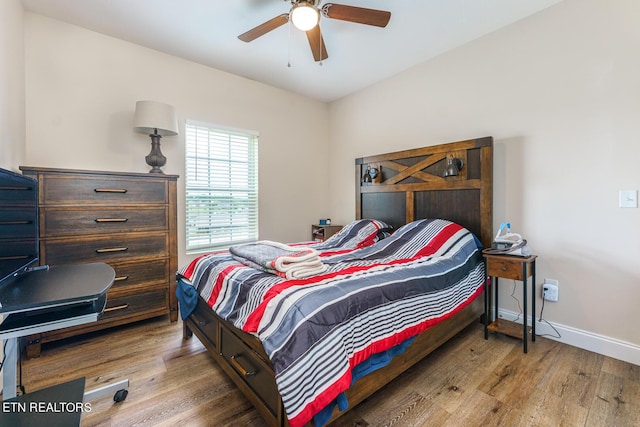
(468, 382)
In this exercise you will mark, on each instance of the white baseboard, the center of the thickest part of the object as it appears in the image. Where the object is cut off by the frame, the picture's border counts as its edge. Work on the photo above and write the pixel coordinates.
(600, 344)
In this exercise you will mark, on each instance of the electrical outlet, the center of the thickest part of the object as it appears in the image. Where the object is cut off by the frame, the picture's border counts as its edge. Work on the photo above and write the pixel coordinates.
(550, 292)
(628, 199)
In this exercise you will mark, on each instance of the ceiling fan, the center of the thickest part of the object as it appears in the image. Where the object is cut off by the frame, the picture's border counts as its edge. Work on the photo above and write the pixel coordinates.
(305, 15)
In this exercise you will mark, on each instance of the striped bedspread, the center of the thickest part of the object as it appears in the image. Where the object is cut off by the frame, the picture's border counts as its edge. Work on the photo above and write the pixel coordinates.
(371, 298)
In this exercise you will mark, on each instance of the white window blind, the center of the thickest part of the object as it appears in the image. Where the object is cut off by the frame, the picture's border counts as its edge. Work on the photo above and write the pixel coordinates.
(221, 187)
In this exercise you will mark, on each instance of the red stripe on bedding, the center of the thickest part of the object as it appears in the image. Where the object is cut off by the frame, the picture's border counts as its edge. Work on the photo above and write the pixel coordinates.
(321, 401)
(336, 252)
(369, 240)
(188, 273)
(253, 320)
(220, 278)
(439, 239)
(344, 382)
(387, 343)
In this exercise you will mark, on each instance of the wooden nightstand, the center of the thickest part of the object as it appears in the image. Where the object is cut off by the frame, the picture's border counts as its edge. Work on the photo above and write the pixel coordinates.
(516, 268)
(320, 233)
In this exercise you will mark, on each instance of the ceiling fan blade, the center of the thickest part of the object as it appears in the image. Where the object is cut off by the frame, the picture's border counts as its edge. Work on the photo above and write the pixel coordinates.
(263, 29)
(316, 42)
(361, 15)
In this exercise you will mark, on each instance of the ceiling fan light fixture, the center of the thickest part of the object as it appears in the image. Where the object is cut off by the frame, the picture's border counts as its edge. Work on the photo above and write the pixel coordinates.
(304, 16)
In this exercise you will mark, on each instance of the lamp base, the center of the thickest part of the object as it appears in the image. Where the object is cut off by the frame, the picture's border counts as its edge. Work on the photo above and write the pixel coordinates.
(155, 159)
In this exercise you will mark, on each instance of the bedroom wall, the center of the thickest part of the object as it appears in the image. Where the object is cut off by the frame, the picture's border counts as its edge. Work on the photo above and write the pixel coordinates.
(12, 120)
(81, 90)
(560, 94)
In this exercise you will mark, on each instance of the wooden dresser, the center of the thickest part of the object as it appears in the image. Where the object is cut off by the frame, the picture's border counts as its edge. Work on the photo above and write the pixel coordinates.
(127, 220)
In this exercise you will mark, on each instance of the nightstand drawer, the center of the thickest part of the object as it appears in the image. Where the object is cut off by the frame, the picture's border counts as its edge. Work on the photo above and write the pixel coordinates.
(69, 189)
(104, 249)
(505, 268)
(82, 221)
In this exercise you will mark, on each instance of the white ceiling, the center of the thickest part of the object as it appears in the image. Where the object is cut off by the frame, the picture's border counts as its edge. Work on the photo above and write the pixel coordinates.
(205, 31)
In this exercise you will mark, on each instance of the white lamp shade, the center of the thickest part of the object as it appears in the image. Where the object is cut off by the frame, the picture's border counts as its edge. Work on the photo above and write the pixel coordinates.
(152, 116)
(304, 17)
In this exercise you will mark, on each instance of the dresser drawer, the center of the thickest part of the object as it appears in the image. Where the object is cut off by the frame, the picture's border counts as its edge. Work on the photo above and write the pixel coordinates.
(70, 189)
(250, 368)
(17, 222)
(148, 272)
(14, 193)
(136, 304)
(104, 249)
(14, 253)
(72, 222)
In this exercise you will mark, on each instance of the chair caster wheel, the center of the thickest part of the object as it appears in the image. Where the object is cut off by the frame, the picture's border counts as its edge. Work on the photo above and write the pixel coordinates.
(120, 395)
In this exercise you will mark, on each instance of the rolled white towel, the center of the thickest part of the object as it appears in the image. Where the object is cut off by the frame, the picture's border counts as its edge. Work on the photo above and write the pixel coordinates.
(305, 269)
(279, 258)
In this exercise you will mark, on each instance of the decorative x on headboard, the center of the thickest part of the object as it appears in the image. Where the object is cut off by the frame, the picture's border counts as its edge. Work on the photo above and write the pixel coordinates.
(409, 185)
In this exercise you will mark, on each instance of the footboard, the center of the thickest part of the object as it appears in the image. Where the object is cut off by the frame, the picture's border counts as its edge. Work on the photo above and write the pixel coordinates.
(243, 359)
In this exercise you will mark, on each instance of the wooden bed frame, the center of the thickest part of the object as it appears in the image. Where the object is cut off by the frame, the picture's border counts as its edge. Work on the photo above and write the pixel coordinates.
(409, 186)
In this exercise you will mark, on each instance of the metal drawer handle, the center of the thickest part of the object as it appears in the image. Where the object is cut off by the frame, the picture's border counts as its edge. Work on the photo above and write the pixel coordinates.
(240, 368)
(110, 190)
(111, 219)
(117, 307)
(120, 278)
(15, 222)
(202, 323)
(504, 268)
(15, 188)
(9, 258)
(105, 250)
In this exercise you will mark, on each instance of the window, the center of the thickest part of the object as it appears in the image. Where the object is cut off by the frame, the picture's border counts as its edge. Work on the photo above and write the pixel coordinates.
(221, 186)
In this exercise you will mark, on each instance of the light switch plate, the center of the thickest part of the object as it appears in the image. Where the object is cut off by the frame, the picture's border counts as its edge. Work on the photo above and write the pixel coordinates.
(628, 198)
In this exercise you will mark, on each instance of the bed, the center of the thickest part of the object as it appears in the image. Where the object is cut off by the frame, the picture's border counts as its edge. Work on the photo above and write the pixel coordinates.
(397, 283)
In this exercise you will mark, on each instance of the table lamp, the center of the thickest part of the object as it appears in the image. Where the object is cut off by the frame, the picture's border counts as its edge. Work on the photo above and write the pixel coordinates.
(156, 119)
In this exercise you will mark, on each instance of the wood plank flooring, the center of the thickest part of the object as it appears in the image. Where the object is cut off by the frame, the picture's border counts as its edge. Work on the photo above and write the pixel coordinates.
(468, 382)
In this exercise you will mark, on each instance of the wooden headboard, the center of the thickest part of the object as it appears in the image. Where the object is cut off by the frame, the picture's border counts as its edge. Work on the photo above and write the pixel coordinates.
(410, 186)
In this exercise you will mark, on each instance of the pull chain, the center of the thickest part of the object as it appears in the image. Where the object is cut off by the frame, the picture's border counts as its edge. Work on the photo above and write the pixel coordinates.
(289, 43)
(320, 43)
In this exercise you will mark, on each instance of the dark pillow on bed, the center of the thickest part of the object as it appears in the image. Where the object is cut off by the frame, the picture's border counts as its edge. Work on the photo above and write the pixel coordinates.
(383, 233)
